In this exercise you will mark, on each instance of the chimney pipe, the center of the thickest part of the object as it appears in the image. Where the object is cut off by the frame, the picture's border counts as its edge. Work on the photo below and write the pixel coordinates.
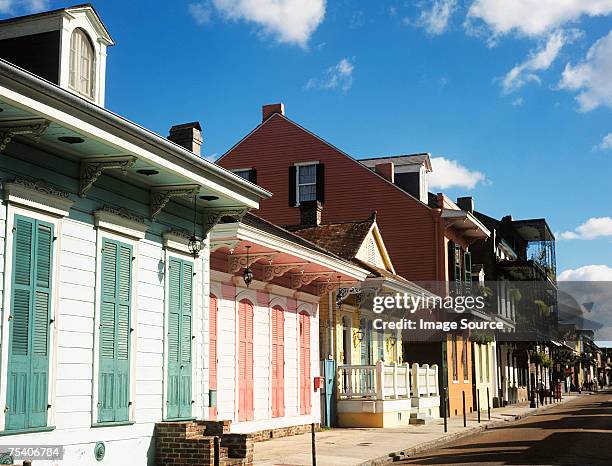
(268, 110)
(188, 135)
(466, 203)
(310, 213)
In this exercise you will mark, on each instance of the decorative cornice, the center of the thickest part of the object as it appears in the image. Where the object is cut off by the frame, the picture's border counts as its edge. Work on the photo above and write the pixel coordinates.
(299, 280)
(38, 194)
(161, 195)
(213, 216)
(9, 129)
(177, 239)
(91, 169)
(278, 270)
(235, 262)
(121, 221)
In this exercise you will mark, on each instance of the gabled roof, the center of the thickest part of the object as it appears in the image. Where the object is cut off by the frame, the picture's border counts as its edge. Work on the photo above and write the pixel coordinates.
(338, 150)
(342, 239)
(82, 6)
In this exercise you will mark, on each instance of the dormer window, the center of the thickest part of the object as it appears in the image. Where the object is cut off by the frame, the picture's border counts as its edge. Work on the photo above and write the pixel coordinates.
(82, 64)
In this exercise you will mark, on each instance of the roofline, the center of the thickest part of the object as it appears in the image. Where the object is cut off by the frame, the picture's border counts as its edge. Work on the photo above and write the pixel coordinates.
(385, 157)
(340, 151)
(42, 90)
(268, 239)
(41, 14)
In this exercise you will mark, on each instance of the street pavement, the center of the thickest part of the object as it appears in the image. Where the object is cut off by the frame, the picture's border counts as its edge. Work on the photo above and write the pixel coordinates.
(374, 447)
(575, 433)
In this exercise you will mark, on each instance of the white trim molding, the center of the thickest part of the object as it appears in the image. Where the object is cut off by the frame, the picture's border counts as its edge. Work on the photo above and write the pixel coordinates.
(39, 195)
(120, 221)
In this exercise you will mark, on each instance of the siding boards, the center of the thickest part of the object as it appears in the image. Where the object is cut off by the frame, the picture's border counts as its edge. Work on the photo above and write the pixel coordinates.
(406, 225)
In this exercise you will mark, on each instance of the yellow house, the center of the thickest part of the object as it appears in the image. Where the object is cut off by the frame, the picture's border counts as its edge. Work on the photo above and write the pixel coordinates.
(374, 386)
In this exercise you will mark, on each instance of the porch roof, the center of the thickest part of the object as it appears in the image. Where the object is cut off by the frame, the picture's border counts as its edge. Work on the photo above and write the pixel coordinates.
(73, 127)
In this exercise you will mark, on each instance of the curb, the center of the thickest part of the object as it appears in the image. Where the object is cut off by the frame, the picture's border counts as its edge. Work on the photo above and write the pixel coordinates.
(432, 444)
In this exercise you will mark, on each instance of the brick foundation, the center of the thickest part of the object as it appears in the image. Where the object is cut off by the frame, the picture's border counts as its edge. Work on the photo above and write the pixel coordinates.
(193, 442)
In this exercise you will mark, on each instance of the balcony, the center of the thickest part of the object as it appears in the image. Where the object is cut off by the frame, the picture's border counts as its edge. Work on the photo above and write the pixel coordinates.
(387, 395)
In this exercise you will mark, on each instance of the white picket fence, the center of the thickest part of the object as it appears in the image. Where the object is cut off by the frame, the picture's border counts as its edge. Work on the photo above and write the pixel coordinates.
(387, 381)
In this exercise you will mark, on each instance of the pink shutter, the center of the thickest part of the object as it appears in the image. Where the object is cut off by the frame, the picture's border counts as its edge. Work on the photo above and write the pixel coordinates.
(278, 362)
(305, 403)
(245, 361)
(212, 358)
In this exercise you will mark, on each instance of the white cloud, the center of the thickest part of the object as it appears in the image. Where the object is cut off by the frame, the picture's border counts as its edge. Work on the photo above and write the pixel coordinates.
(592, 76)
(200, 12)
(605, 144)
(533, 17)
(539, 60)
(450, 174)
(587, 273)
(28, 6)
(289, 21)
(435, 18)
(518, 102)
(337, 76)
(593, 228)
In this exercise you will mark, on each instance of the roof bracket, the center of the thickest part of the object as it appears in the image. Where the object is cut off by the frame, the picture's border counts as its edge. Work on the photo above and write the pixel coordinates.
(330, 285)
(91, 169)
(161, 195)
(214, 215)
(299, 280)
(235, 262)
(271, 271)
(10, 128)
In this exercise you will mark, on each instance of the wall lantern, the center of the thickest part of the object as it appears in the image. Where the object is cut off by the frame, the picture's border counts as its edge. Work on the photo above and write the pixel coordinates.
(357, 337)
(247, 276)
(195, 242)
(391, 342)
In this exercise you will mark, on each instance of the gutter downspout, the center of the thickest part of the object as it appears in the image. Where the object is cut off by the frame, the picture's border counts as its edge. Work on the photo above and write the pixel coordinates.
(330, 310)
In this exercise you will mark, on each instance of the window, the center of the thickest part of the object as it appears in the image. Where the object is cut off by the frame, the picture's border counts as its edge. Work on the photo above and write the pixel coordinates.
(306, 183)
(305, 402)
(454, 356)
(115, 330)
(28, 360)
(249, 174)
(245, 361)
(81, 63)
(180, 292)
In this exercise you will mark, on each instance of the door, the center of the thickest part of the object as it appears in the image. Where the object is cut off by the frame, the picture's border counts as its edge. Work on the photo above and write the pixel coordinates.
(180, 304)
(278, 362)
(245, 361)
(212, 354)
(305, 403)
(28, 361)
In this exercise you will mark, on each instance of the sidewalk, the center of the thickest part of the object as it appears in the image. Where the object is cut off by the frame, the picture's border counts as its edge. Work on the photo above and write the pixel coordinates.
(373, 447)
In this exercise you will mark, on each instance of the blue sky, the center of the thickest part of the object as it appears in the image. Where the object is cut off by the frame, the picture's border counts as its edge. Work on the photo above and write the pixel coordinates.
(514, 102)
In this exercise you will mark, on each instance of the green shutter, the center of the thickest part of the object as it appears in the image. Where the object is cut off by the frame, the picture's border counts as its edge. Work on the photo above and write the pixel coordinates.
(28, 364)
(180, 303)
(467, 264)
(115, 332)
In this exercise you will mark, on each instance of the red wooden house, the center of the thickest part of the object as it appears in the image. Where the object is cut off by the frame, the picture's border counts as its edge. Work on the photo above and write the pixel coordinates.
(427, 235)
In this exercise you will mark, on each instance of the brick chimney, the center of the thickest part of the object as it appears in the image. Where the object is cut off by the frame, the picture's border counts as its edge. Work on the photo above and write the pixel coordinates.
(188, 135)
(310, 213)
(466, 203)
(268, 110)
(386, 170)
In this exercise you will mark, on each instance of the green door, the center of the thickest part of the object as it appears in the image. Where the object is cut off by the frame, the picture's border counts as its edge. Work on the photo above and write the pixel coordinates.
(28, 362)
(180, 291)
(115, 332)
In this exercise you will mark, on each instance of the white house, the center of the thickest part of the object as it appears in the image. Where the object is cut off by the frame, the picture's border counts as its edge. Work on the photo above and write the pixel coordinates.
(104, 307)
